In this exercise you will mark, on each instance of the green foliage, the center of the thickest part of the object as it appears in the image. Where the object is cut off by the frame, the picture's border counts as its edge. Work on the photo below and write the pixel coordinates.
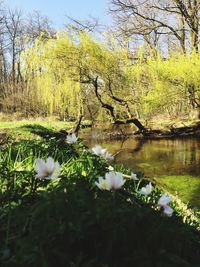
(187, 186)
(70, 222)
(62, 72)
(169, 86)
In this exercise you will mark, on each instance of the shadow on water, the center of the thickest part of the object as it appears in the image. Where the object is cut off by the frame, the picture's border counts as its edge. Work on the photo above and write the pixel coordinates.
(175, 163)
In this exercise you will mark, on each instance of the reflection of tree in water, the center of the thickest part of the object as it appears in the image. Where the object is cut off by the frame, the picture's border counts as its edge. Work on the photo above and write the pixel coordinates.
(136, 149)
(140, 144)
(177, 156)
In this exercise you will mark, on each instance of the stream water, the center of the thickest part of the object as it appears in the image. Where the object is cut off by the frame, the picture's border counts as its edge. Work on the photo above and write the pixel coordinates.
(173, 162)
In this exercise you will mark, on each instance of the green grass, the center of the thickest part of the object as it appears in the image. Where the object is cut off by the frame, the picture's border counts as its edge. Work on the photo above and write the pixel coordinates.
(47, 124)
(21, 129)
(56, 125)
(34, 129)
(184, 186)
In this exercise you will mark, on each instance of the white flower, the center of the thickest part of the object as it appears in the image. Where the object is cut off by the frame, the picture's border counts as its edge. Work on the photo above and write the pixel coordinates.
(164, 200)
(146, 190)
(110, 168)
(115, 179)
(134, 176)
(168, 210)
(103, 184)
(48, 169)
(108, 156)
(98, 150)
(163, 203)
(102, 152)
(72, 138)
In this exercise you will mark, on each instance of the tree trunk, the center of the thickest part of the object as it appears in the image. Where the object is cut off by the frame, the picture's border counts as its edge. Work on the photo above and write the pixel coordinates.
(194, 23)
(182, 33)
(110, 109)
(135, 121)
(78, 125)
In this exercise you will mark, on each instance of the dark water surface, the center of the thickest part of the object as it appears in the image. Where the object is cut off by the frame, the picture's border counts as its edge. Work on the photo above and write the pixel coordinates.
(173, 162)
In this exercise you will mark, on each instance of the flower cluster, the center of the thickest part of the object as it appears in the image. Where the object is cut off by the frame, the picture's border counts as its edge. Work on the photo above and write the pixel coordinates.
(50, 169)
(162, 202)
(115, 180)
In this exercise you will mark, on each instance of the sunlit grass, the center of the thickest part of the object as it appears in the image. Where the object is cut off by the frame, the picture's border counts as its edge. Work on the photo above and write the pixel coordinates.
(186, 187)
(35, 129)
(49, 124)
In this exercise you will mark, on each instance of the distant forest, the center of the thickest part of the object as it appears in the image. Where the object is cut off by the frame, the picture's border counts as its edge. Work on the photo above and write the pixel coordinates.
(146, 65)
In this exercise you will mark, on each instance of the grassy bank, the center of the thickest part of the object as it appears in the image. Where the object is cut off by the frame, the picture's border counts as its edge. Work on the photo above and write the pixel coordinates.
(69, 221)
(34, 129)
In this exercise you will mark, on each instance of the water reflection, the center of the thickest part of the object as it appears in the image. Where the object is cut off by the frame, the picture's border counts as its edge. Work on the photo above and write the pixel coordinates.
(176, 162)
(156, 157)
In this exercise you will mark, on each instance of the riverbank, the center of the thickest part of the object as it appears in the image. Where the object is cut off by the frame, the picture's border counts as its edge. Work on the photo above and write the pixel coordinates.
(168, 130)
(78, 213)
(158, 157)
(158, 127)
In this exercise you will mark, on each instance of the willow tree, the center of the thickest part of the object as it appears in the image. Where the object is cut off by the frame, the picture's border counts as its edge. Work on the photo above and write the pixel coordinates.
(169, 86)
(108, 71)
(74, 74)
(54, 89)
(70, 69)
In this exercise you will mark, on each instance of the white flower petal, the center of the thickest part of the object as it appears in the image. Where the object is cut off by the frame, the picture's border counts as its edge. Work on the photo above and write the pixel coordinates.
(103, 184)
(143, 191)
(167, 210)
(134, 176)
(115, 179)
(102, 152)
(110, 175)
(119, 184)
(39, 165)
(164, 200)
(71, 138)
(110, 168)
(56, 173)
(48, 169)
(108, 156)
(50, 164)
(146, 190)
(98, 150)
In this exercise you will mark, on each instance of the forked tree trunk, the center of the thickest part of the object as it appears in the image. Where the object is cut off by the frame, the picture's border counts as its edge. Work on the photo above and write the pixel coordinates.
(110, 109)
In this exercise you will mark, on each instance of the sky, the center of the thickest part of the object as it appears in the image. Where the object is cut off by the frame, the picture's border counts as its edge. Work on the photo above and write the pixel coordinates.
(57, 10)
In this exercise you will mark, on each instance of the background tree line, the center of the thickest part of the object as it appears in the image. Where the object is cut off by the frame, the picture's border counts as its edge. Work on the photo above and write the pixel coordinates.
(148, 64)
(17, 32)
(164, 25)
